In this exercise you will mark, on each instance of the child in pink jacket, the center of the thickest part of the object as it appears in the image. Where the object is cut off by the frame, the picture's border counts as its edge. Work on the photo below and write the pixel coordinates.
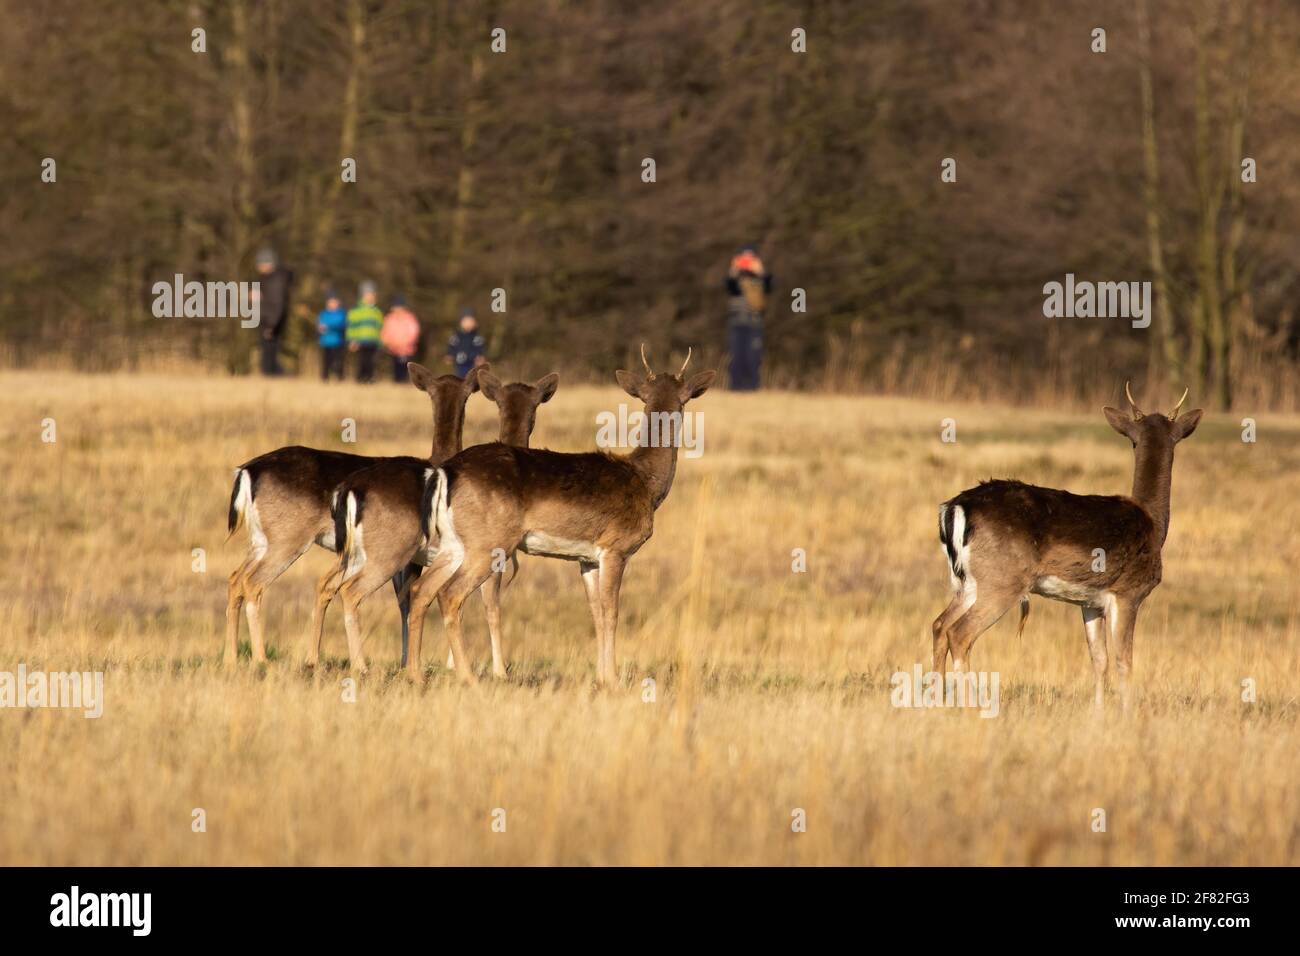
(401, 336)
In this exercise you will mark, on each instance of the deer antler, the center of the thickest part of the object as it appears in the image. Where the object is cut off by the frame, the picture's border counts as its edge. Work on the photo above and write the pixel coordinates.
(649, 370)
(1137, 412)
(682, 370)
(1174, 413)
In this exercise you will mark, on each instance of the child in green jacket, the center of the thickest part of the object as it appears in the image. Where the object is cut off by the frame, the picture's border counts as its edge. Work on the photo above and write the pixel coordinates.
(364, 322)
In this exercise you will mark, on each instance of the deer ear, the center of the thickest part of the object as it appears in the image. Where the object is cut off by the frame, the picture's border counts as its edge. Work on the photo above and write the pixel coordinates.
(421, 377)
(698, 385)
(631, 382)
(547, 386)
(488, 384)
(471, 377)
(1119, 421)
(1186, 423)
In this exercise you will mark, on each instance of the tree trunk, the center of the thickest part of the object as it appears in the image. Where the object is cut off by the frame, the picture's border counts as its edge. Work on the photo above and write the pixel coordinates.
(1233, 288)
(243, 213)
(1209, 331)
(323, 227)
(456, 246)
(1164, 361)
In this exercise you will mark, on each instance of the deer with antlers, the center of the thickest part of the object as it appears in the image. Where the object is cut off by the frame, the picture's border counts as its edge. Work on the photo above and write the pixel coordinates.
(594, 508)
(377, 520)
(284, 499)
(1005, 540)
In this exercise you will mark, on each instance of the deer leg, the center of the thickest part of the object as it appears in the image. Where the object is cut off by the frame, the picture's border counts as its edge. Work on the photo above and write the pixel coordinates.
(234, 607)
(423, 591)
(467, 579)
(1094, 626)
(253, 610)
(451, 611)
(591, 582)
(940, 631)
(1123, 619)
(451, 655)
(491, 594)
(263, 573)
(352, 623)
(977, 619)
(611, 581)
(326, 588)
(400, 579)
(356, 589)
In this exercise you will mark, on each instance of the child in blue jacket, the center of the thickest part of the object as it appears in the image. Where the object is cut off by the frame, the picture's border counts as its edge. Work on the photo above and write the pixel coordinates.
(332, 323)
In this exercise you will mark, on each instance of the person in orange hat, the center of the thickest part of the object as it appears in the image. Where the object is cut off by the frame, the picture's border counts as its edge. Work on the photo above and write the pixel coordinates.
(748, 285)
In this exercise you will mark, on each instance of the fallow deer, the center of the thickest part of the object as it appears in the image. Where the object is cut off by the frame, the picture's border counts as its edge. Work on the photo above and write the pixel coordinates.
(1005, 540)
(595, 508)
(284, 498)
(377, 522)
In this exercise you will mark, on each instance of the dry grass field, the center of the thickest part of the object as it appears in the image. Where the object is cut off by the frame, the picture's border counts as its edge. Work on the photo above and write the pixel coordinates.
(772, 688)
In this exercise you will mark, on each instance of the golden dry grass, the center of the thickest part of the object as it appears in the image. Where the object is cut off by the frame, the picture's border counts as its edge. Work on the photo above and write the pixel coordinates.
(772, 687)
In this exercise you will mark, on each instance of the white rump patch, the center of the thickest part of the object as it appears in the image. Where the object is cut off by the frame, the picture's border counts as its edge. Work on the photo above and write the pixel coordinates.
(245, 505)
(958, 559)
(969, 591)
(449, 542)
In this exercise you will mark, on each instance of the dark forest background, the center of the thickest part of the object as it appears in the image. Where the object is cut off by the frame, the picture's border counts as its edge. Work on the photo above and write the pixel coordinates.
(522, 170)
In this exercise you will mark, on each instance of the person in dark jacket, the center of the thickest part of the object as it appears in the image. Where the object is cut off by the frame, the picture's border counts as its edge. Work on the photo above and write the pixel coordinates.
(466, 348)
(332, 324)
(274, 281)
(748, 285)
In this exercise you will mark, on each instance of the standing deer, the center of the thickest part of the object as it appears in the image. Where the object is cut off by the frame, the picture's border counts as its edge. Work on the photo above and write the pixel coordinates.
(284, 499)
(595, 508)
(1005, 540)
(377, 524)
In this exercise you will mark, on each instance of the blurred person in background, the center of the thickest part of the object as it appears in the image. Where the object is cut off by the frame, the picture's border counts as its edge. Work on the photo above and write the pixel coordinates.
(466, 347)
(748, 285)
(364, 323)
(274, 281)
(401, 336)
(332, 323)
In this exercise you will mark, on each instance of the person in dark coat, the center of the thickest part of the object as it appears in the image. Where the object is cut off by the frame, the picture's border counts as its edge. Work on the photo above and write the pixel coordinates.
(748, 285)
(466, 349)
(274, 281)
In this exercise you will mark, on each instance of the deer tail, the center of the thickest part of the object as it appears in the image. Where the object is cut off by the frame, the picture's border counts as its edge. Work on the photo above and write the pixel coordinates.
(952, 535)
(514, 572)
(241, 497)
(347, 532)
(433, 505)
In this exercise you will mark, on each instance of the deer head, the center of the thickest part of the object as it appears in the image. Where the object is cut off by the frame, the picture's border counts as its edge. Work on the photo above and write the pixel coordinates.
(1153, 436)
(664, 392)
(517, 404)
(448, 393)
(1154, 431)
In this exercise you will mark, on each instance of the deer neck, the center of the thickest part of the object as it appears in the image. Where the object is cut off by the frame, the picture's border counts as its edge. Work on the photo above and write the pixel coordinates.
(448, 429)
(657, 465)
(514, 433)
(1152, 477)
